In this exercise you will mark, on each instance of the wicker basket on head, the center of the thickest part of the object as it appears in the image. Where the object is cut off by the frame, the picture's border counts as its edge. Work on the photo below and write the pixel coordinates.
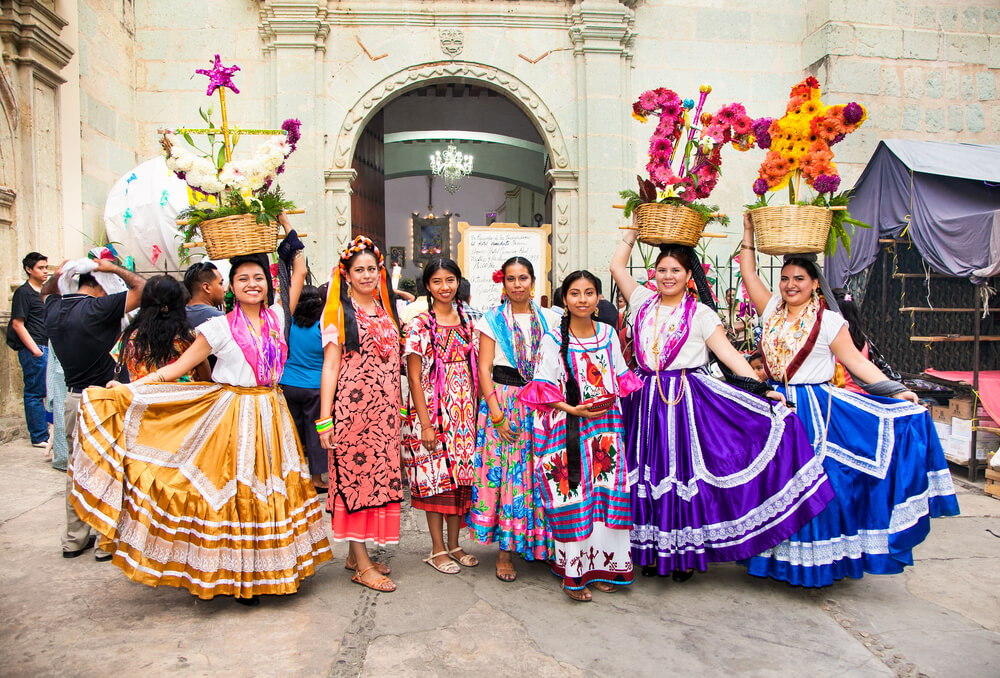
(668, 224)
(239, 234)
(791, 229)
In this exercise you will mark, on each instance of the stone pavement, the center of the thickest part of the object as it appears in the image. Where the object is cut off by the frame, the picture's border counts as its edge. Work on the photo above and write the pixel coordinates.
(83, 618)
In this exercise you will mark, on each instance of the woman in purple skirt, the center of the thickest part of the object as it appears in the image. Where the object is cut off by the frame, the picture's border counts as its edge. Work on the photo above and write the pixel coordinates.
(717, 473)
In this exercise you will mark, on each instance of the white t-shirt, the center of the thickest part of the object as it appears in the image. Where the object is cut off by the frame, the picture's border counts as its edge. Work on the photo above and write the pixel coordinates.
(524, 322)
(231, 367)
(694, 352)
(819, 366)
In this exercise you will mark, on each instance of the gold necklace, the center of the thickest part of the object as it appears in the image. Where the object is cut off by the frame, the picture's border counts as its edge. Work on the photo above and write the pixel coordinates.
(657, 329)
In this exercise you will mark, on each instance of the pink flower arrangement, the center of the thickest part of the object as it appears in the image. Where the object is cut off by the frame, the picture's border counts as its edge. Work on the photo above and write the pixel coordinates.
(700, 159)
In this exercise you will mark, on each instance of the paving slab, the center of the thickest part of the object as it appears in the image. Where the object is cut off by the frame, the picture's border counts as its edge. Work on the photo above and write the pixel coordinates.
(78, 617)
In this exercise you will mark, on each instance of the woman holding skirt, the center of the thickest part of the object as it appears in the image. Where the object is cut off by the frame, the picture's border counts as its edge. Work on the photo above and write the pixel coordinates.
(203, 486)
(579, 458)
(717, 473)
(503, 502)
(439, 429)
(880, 451)
(360, 387)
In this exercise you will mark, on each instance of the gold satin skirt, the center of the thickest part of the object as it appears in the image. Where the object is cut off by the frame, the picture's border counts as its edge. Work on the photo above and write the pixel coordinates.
(199, 486)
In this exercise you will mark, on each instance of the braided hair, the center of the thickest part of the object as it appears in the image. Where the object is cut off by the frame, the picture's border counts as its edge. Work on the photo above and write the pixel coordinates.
(573, 452)
(437, 366)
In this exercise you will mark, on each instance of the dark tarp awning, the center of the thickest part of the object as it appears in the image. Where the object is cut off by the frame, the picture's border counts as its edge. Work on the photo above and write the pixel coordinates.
(951, 193)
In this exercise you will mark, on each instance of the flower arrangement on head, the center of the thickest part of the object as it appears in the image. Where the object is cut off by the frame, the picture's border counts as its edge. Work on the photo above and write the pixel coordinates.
(228, 186)
(690, 140)
(799, 147)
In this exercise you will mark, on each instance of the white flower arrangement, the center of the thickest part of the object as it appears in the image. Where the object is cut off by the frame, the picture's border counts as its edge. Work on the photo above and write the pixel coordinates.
(241, 175)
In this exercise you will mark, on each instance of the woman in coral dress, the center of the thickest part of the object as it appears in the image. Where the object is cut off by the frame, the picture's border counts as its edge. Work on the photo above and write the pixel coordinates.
(360, 389)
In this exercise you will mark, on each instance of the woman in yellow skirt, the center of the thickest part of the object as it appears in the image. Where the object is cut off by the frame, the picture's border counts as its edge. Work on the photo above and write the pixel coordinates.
(204, 486)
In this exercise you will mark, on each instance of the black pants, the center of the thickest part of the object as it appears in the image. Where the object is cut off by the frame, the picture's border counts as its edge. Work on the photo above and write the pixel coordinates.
(303, 405)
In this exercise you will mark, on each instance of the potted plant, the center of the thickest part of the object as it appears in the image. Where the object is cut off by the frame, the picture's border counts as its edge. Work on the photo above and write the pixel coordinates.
(238, 201)
(799, 151)
(685, 158)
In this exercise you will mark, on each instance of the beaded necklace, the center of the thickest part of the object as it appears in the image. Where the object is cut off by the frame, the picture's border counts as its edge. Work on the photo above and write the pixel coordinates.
(526, 358)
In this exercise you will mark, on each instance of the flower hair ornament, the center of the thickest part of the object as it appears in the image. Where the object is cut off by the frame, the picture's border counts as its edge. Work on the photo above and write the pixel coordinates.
(336, 314)
(498, 275)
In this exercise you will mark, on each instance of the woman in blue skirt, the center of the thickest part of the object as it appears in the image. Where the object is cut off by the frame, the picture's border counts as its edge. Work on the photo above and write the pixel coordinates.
(880, 451)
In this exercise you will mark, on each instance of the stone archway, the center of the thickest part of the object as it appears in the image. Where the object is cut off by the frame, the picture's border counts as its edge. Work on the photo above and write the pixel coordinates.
(564, 178)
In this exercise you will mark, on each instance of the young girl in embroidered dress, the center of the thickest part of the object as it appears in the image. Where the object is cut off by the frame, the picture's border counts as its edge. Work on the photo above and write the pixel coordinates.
(717, 473)
(204, 486)
(881, 451)
(503, 502)
(579, 457)
(360, 388)
(439, 428)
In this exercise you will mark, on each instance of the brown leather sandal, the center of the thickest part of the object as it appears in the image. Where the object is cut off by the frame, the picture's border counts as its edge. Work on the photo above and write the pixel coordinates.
(579, 595)
(383, 584)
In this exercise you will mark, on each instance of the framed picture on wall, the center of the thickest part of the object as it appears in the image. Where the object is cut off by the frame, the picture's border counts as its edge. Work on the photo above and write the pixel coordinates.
(431, 238)
(397, 255)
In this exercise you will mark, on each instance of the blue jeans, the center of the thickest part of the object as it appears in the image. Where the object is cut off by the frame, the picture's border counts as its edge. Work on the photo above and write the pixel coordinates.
(33, 370)
(55, 398)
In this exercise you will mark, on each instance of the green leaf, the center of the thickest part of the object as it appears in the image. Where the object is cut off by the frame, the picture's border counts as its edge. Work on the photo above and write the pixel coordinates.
(220, 160)
(187, 138)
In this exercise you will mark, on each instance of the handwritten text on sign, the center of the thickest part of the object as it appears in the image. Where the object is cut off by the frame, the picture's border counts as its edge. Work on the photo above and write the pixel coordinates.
(485, 249)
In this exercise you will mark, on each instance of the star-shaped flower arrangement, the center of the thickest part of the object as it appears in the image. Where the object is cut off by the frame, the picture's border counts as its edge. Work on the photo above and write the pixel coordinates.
(799, 147)
(221, 185)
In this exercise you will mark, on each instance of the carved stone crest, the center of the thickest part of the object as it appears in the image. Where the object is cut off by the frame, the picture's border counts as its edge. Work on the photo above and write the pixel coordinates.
(452, 41)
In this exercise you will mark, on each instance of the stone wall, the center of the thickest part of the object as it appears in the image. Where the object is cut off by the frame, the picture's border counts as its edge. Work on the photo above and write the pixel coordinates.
(107, 89)
(925, 70)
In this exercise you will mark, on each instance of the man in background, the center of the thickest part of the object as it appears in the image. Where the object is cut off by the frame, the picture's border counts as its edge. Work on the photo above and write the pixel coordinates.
(205, 285)
(27, 336)
(83, 327)
(606, 311)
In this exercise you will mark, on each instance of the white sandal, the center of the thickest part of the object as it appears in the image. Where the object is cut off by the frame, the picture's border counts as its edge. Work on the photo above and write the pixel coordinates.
(447, 567)
(468, 560)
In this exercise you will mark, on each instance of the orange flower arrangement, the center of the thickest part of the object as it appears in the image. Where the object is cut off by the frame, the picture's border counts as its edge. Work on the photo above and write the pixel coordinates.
(799, 142)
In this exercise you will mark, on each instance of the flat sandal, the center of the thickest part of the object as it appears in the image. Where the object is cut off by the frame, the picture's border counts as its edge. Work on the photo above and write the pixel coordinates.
(468, 560)
(447, 567)
(375, 585)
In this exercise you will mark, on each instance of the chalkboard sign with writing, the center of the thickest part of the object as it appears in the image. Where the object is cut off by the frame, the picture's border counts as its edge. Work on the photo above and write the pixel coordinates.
(482, 249)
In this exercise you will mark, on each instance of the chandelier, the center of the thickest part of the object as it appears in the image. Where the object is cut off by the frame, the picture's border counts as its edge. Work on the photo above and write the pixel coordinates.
(451, 166)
